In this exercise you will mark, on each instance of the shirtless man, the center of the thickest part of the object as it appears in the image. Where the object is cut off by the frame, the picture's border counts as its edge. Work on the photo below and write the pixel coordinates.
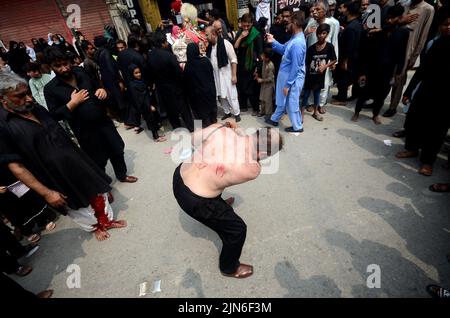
(224, 157)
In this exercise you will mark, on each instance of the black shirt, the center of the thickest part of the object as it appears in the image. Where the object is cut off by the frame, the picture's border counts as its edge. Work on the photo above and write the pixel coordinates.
(48, 153)
(315, 79)
(58, 94)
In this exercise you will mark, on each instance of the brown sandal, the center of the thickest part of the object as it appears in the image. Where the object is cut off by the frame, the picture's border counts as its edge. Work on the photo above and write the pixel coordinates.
(426, 170)
(440, 188)
(243, 271)
(34, 238)
(406, 154)
(23, 270)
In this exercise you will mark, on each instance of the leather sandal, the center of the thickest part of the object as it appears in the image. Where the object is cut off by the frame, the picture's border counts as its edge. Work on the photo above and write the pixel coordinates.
(243, 271)
(406, 154)
(23, 270)
(129, 179)
(426, 170)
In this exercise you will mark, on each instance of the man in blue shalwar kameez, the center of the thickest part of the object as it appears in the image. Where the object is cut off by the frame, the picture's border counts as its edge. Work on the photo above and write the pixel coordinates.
(291, 75)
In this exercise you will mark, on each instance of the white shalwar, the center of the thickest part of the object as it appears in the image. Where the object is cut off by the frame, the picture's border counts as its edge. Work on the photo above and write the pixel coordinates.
(263, 10)
(85, 217)
(226, 91)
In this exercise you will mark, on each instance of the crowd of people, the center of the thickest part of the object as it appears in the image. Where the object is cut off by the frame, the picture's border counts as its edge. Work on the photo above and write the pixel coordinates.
(61, 103)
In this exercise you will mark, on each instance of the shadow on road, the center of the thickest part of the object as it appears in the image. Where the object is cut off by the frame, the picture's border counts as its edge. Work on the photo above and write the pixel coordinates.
(399, 276)
(192, 279)
(316, 286)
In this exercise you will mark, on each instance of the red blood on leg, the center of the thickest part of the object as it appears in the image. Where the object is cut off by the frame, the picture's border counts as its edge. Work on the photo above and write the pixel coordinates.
(98, 204)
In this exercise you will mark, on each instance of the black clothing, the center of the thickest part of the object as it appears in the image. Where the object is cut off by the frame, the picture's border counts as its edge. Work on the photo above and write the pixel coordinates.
(200, 86)
(9, 289)
(110, 78)
(222, 56)
(314, 79)
(141, 101)
(349, 42)
(279, 33)
(17, 59)
(49, 154)
(168, 77)
(219, 216)
(92, 69)
(10, 250)
(427, 127)
(246, 86)
(382, 54)
(24, 212)
(95, 131)
(125, 59)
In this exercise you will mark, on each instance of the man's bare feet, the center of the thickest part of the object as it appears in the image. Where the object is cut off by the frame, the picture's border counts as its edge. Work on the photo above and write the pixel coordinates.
(230, 200)
(376, 120)
(355, 117)
(101, 235)
(161, 139)
(117, 224)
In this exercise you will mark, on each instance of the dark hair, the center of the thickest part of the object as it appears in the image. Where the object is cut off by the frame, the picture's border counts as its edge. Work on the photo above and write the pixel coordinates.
(85, 44)
(215, 13)
(323, 27)
(442, 15)
(121, 42)
(286, 9)
(159, 39)
(395, 11)
(247, 18)
(54, 53)
(100, 41)
(72, 57)
(353, 7)
(298, 18)
(133, 41)
(268, 52)
(136, 29)
(32, 67)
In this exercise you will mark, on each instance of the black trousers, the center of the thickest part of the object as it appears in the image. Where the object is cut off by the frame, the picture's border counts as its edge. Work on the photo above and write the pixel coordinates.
(219, 216)
(248, 89)
(9, 289)
(26, 212)
(10, 250)
(102, 143)
(425, 129)
(253, 97)
(345, 78)
(207, 118)
(377, 87)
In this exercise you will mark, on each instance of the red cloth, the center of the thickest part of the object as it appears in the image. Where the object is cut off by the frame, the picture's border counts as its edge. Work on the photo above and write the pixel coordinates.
(176, 6)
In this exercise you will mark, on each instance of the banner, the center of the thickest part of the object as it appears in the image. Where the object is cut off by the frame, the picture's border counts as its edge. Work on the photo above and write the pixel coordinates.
(135, 13)
(292, 4)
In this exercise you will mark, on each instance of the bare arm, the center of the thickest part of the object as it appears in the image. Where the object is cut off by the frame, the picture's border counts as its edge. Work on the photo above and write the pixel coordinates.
(53, 198)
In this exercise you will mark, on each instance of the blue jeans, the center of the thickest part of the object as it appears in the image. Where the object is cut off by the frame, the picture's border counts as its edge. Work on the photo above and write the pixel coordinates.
(316, 94)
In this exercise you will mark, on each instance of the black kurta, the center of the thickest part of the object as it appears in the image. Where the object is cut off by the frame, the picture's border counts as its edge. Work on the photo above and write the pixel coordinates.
(95, 131)
(47, 151)
(200, 85)
(167, 75)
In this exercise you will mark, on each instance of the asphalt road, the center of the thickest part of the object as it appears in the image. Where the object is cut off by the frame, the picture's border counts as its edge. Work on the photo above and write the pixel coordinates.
(339, 202)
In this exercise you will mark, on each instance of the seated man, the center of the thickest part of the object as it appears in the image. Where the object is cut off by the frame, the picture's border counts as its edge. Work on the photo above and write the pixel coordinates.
(223, 157)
